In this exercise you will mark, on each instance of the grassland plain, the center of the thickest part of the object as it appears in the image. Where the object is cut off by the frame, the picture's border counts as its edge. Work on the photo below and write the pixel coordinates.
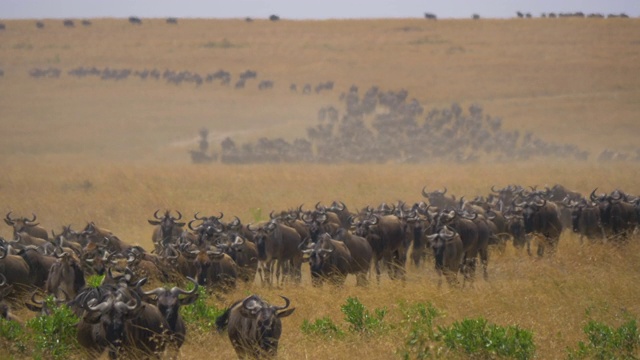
(77, 150)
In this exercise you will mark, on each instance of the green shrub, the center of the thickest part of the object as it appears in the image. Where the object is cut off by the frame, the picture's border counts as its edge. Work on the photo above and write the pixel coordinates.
(94, 281)
(605, 342)
(419, 319)
(13, 335)
(199, 313)
(322, 327)
(476, 338)
(54, 336)
(360, 319)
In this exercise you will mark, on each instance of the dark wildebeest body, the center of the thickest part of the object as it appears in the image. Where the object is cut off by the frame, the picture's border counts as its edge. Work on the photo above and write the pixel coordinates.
(448, 252)
(254, 326)
(585, 220)
(278, 242)
(387, 240)
(14, 268)
(468, 232)
(329, 260)
(169, 303)
(215, 270)
(541, 218)
(167, 230)
(65, 275)
(361, 255)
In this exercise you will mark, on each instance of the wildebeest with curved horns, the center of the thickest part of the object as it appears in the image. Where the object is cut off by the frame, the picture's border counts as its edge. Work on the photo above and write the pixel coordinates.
(24, 225)
(254, 326)
(448, 253)
(166, 229)
(329, 259)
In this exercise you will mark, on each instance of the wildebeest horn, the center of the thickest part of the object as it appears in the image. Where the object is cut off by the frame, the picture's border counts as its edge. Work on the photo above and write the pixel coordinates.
(251, 229)
(9, 219)
(157, 291)
(34, 218)
(320, 207)
(124, 307)
(179, 215)
(494, 190)
(155, 215)
(286, 304)
(374, 220)
(3, 279)
(593, 195)
(541, 204)
(33, 298)
(271, 215)
(252, 302)
(101, 307)
(191, 222)
(219, 217)
(447, 233)
(177, 291)
(195, 216)
(424, 192)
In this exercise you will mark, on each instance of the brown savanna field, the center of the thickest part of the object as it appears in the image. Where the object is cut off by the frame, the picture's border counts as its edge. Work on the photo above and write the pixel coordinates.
(76, 150)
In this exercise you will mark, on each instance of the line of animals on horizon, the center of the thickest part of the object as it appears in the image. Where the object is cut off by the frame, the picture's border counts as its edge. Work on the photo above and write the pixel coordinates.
(380, 127)
(448, 232)
(134, 20)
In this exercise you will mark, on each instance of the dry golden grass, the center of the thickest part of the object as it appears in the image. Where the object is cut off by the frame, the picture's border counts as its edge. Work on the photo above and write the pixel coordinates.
(570, 80)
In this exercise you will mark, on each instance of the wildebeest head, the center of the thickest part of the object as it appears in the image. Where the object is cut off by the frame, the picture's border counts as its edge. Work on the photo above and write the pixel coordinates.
(530, 210)
(363, 227)
(318, 255)
(203, 261)
(267, 318)
(169, 301)
(438, 199)
(112, 314)
(23, 224)
(167, 224)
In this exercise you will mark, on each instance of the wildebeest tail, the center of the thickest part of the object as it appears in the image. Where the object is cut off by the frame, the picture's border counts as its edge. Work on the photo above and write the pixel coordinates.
(222, 321)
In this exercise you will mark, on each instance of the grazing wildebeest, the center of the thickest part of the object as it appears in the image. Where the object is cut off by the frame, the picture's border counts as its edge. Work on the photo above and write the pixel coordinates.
(430, 16)
(172, 20)
(68, 23)
(169, 303)
(254, 326)
(448, 253)
(24, 225)
(39, 24)
(274, 17)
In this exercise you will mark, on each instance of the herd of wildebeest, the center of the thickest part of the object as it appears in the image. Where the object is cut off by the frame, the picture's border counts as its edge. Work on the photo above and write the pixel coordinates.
(336, 242)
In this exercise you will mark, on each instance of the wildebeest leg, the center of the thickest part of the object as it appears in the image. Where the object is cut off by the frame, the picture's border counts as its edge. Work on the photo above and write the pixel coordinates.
(540, 249)
(528, 241)
(377, 265)
(484, 260)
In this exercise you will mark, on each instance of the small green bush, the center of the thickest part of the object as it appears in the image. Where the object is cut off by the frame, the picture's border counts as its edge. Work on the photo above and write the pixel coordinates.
(360, 319)
(419, 318)
(323, 327)
(94, 281)
(476, 338)
(605, 342)
(13, 334)
(200, 314)
(54, 336)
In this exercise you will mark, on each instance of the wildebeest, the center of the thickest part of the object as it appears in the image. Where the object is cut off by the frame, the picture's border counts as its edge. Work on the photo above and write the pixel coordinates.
(121, 322)
(39, 24)
(274, 17)
(65, 275)
(585, 220)
(68, 23)
(169, 303)
(215, 269)
(438, 199)
(278, 242)
(86, 22)
(430, 16)
(13, 267)
(448, 253)
(254, 326)
(135, 20)
(245, 254)
(387, 239)
(541, 218)
(172, 20)
(328, 260)
(24, 225)
(167, 228)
